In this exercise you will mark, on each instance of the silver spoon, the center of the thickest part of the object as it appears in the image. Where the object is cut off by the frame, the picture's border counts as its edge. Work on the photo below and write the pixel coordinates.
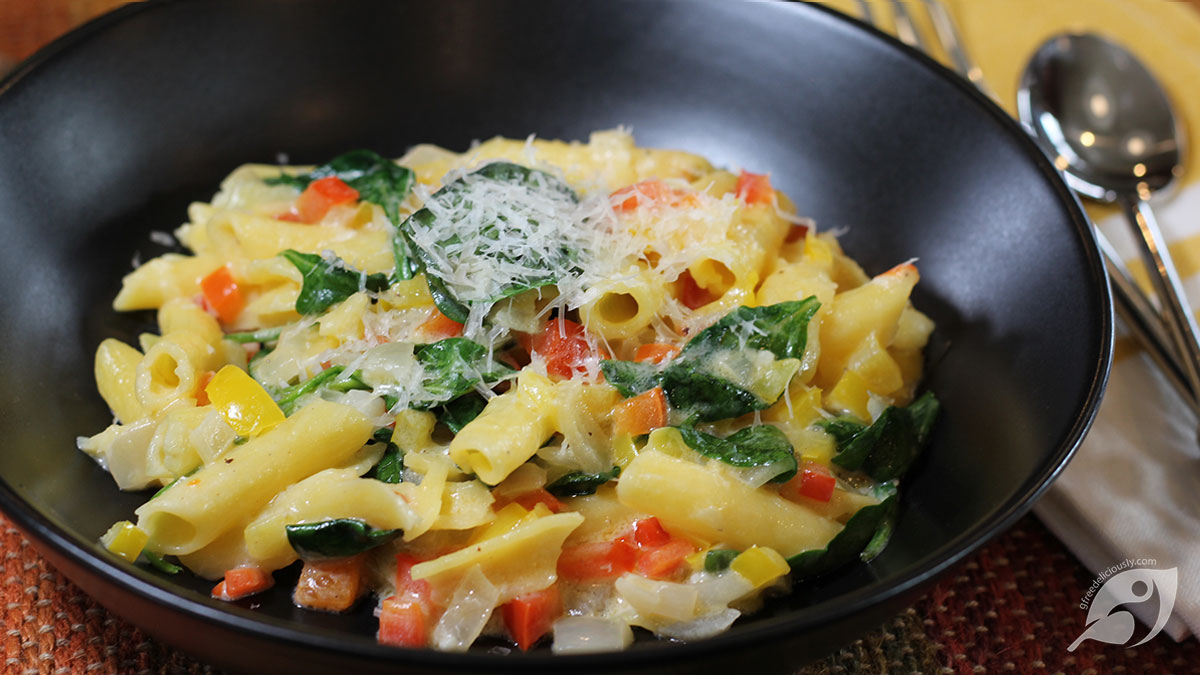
(1107, 123)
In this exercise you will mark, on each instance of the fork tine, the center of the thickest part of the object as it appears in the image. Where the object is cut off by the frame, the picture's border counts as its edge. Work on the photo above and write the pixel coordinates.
(951, 40)
(864, 9)
(906, 29)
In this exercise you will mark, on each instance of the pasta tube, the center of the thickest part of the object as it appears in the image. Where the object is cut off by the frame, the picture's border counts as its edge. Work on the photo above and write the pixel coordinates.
(199, 509)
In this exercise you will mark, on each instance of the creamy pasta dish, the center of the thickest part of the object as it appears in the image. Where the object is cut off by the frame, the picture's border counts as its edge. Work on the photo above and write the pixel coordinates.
(538, 391)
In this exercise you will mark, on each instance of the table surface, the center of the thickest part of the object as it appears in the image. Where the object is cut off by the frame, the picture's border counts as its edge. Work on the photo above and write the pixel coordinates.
(1013, 607)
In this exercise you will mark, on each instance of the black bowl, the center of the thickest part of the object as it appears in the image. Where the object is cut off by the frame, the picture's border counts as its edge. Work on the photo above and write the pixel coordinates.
(111, 131)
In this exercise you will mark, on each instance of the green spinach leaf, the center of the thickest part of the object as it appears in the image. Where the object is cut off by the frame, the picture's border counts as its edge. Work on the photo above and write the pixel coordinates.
(328, 282)
(261, 335)
(762, 445)
(453, 367)
(578, 483)
(864, 536)
(289, 397)
(459, 412)
(630, 377)
(887, 448)
(524, 211)
(781, 329)
(717, 560)
(338, 538)
(377, 179)
(160, 563)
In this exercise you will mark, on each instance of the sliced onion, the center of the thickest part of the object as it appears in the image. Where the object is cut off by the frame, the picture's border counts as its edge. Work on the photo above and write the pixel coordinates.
(469, 611)
(700, 628)
(588, 634)
(659, 598)
(718, 590)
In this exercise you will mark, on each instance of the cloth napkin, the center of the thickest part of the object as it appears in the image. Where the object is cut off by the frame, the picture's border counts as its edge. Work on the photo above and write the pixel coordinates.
(1133, 489)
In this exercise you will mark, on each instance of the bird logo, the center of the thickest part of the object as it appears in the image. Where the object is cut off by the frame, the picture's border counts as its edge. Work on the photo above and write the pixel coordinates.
(1128, 587)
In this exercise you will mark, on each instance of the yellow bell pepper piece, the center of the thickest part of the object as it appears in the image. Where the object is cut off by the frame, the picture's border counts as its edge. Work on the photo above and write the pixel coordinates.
(246, 406)
(696, 560)
(125, 540)
(850, 395)
(759, 565)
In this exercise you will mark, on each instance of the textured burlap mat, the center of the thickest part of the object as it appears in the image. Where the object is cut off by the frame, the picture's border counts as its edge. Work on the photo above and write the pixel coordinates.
(1013, 608)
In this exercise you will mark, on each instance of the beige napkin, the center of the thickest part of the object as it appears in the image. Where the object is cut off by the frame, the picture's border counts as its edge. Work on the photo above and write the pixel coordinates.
(1133, 489)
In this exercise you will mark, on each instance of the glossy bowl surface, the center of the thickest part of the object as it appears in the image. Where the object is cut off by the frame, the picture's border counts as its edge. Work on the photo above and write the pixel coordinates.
(108, 134)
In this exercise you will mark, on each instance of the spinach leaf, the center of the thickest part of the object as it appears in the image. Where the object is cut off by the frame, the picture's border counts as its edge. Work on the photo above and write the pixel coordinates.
(864, 536)
(578, 483)
(630, 377)
(458, 413)
(390, 468)
(781, 329)
(691, 389)
(717, 560)
(261, 335)
(289, 397)
(328, 282)
(338, 538)
(377, 179)
(160, 563)
(887, 448)
(763, 445)
(525, 211)
(740, 364)
(453, 367)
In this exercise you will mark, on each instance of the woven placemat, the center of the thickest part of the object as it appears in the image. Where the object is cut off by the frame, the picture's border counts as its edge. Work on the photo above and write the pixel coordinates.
(1013, 608)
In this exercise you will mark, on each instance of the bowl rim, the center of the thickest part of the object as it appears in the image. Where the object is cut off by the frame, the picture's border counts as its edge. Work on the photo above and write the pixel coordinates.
(150, 588)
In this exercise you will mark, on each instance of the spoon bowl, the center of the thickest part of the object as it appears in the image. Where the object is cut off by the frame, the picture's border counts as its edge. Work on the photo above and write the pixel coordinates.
(1107, 124)
(1103, 117)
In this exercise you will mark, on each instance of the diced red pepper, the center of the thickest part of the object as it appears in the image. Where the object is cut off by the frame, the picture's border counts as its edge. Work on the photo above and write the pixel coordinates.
(655, 352)
(409, 589)
(563, 345)
(321, 195)
(222, 294)
(641, 414)
(814, 481)
(330, 585)
(201, 384)
(652, 191)
(664, 562)
(598, 560)
(528, 617)
(754, 188)
(690, 293)
(402, 623)
(439, 327)
(241, 582)
(649, 532)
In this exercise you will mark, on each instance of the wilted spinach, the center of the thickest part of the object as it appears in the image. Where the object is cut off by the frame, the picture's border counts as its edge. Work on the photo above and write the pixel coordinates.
(329, 281)
(338, 538)
(377, 179)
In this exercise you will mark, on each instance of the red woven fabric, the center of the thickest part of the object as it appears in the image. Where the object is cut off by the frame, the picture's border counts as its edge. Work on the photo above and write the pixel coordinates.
(1013, 608)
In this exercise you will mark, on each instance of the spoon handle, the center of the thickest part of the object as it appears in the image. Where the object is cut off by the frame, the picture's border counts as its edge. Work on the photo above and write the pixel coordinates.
(1176, 309)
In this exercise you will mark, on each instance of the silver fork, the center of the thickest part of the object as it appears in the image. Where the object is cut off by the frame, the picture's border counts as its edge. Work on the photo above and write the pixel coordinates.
(1139, 314)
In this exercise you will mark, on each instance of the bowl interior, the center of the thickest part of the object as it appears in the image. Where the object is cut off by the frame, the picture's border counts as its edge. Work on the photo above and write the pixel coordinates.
(111, 135)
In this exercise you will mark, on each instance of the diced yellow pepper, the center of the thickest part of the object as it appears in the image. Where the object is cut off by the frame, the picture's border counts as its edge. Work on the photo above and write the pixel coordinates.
(668, 441)
(125, 540)
(876, 367)
(624, 450)
(246, 406)
(849, 395)
(813, 445)
(760, 565)
(696, 560)
(804, 409)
